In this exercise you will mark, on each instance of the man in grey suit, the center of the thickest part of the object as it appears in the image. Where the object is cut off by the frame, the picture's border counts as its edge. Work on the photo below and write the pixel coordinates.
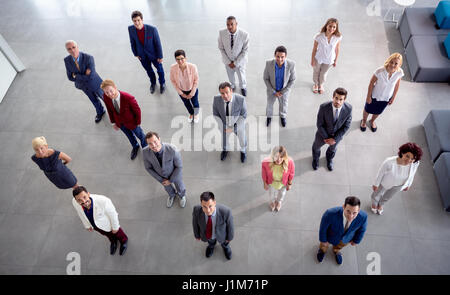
(279, 76)
(213, 223)
(163, 162)
(333, 121)
(233, 45)
(230, 111)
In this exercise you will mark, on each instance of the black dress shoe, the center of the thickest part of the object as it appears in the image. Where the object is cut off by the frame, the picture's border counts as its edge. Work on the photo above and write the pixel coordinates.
(113, 248)
(243, 157)
(330, 165)
(268, 121)
(372, 128)
(162, 88)
(223, 155)
(227, 252)
(123, 248)
(315, 164)
(362, 128)
(98, 118)
(134, 152)
(283, 122)
(244, 91)
(209, 251)
(152, 88)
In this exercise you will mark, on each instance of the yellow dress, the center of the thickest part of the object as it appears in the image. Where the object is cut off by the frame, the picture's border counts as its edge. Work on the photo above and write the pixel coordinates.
(277, 173)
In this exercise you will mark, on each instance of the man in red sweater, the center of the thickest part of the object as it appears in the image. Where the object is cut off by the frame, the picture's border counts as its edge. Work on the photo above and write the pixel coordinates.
(124, 113)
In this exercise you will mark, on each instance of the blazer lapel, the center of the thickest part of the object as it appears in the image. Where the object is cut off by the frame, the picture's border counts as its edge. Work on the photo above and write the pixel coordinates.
(163, 148)
(286, 72)
(272, 76)
(221, 107)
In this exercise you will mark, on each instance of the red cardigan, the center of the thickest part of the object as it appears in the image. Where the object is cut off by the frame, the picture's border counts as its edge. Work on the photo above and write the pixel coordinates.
(130, 113)
(267, 174)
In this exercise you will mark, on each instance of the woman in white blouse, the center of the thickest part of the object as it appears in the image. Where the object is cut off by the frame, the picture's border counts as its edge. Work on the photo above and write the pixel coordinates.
(325, 52)
(395, 174)
(383, 88)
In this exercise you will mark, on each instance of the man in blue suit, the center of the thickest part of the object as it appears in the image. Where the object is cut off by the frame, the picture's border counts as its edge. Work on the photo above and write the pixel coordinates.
(340, 226)
(80, 68)
(146, 46)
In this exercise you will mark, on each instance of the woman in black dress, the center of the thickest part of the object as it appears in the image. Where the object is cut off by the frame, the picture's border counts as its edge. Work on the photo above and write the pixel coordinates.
(53, 163)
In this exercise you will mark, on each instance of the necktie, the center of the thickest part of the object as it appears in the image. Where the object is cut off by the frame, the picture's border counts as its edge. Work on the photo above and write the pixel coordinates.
(346, 226)
(336, 116)
(209, 228)
(78, 66)
(232, 42)
(116, 106)
(227, 111)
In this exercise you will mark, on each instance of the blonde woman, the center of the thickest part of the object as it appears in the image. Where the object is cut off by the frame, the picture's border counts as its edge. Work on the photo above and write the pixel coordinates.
(53, 163)
(325, 52)
(383, 88)
(278, 171)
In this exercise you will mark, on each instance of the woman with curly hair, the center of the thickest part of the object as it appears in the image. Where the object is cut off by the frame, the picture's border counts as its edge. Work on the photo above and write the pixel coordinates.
(395, 174)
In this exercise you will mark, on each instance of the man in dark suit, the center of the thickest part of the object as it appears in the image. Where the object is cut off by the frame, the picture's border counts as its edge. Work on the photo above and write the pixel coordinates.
(80, 68)
(340, 226)
(213, 223)
(163, 162)
(333, 121)
(125, 114)
(146, 46)
(230, 112)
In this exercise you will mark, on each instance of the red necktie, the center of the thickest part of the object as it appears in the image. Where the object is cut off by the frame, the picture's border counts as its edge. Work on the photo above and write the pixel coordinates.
(209, 228)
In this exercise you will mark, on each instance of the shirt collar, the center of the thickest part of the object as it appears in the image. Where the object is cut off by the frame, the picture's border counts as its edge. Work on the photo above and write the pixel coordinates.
(278, 67)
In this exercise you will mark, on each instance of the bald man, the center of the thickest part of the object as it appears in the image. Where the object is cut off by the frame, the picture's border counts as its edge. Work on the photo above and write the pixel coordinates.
(80, 68)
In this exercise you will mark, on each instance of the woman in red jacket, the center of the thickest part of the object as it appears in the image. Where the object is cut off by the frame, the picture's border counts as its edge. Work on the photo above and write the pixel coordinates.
(278, 171)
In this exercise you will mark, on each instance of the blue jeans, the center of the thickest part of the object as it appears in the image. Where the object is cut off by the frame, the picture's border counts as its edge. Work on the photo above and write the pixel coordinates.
(131, 136)
(191, 104)
(94, 98)
(147, 64)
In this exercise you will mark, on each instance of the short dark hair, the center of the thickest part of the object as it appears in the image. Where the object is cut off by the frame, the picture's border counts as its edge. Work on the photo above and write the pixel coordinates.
(206, 196)
(340, 91)
(180, 52)
(223, 85)
(136, 13)
(352, 201)
(231, 18)
(281, 49)
(410, 147)
(150, 134)
(78, 190)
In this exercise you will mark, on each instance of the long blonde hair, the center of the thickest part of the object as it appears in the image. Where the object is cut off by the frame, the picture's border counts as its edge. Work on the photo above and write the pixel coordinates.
(279, 152)
(395, 55)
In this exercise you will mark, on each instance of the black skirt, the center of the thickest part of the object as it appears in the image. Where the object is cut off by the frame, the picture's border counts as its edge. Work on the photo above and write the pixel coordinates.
(376, 107)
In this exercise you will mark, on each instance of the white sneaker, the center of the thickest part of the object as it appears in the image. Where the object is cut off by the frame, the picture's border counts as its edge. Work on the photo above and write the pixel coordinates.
(183, 202)
(170, 201)
(196, 118)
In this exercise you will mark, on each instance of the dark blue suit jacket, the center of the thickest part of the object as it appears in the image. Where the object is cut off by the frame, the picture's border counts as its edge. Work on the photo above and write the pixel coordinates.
(332, 227)
(325, 118)
(152, 45)
(84, 82)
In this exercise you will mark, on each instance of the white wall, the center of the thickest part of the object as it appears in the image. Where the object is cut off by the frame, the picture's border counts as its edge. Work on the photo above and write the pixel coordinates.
(7, 74)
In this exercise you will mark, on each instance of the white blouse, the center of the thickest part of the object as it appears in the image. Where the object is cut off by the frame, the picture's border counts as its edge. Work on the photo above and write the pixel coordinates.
(392, 174)
(326, 52)
(384, 87)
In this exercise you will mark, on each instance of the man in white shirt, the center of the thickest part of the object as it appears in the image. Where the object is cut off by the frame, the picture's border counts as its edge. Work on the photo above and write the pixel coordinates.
(98, 213)
(233, 45)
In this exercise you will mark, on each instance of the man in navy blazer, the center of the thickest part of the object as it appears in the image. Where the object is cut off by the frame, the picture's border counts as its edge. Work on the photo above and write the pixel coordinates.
(80, 68)
(340, 226)
(333, 121)
(146, 46)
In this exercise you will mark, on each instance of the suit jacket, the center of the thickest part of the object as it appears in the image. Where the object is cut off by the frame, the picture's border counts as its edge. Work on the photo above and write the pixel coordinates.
(267, 173)
(238, 111)
(325, 118)
(289, 76)
(332, 227)
(105, 215)
(82, 81)
(240, 47)
(152, 44)
(224, 228)
(172, 164)
(130, 113)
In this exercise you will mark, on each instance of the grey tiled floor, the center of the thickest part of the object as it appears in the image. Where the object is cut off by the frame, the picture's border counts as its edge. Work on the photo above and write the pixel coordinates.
(38, 225)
